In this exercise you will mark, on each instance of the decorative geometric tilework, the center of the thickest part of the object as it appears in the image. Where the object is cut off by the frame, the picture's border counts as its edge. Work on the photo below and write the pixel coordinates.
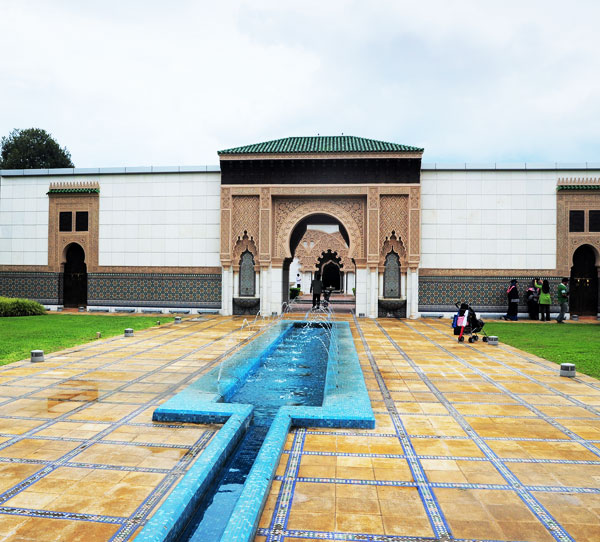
(154, 289)
(485, 294)
(42, 287)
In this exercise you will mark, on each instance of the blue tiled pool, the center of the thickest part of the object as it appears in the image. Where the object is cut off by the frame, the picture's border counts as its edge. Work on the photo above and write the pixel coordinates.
(316, 391)
(292, 373)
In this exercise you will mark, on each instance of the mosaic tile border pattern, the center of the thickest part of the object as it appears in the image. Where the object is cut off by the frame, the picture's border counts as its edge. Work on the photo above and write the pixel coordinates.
(154, 290)
(45, 288)
(484, 294)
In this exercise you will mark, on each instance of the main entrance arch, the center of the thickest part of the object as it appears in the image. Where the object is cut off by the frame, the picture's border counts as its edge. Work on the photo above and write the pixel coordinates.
(371, 188)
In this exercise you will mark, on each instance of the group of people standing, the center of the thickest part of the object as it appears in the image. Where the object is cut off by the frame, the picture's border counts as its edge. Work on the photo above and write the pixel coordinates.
(538, 299)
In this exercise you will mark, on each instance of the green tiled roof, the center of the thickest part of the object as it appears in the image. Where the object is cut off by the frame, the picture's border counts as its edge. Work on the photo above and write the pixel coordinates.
(578, 187)
(74, 191)
(321, 144)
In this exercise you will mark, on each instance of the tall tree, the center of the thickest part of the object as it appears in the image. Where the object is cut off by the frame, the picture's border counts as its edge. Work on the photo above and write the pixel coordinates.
(32, 148)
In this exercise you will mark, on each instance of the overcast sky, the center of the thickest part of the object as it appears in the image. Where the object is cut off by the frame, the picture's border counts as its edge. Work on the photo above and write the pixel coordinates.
(136, 83)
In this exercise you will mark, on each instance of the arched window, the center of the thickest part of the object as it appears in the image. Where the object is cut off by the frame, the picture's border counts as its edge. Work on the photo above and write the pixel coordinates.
(247, 279)
(391, 276)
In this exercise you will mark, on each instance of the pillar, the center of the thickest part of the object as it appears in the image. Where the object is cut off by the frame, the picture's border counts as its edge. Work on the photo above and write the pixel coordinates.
(373, 292)
(236, 284)
(226, 292)
(264, 291)
(361, 291)
(413, 307)
(276, 292)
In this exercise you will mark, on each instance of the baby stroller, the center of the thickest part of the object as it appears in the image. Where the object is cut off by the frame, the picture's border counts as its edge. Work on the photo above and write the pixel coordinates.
(465, 322)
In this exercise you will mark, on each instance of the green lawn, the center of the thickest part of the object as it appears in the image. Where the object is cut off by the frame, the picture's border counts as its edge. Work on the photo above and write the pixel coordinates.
(52, 332)
(566, 343)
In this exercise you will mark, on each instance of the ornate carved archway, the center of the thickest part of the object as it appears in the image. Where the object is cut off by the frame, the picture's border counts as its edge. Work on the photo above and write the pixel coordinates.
(290, 212)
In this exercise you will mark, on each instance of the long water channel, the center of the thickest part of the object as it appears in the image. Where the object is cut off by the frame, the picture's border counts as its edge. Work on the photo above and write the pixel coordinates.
(294, 373)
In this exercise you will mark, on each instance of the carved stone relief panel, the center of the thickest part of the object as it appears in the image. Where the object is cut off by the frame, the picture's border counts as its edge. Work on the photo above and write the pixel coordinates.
(315, 242)
(393, 218)
(245, 218)
(288, 212)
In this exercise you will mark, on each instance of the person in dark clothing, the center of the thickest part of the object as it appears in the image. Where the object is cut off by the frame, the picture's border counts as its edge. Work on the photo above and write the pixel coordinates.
(512, 295)
(316, 287)
(532, 296)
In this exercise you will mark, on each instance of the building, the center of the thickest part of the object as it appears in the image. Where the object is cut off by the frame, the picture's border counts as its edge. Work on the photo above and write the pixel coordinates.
(411, 238)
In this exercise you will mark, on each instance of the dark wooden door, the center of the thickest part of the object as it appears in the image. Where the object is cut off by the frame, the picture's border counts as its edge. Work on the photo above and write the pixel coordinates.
(75, 278)
(583, 288)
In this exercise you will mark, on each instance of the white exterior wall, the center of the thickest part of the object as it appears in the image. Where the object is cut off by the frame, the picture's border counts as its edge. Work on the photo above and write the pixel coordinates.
(489, 219)
(23, 220)
(160, 219)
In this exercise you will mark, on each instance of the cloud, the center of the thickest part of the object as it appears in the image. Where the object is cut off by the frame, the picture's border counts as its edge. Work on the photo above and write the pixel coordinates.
(149, 83)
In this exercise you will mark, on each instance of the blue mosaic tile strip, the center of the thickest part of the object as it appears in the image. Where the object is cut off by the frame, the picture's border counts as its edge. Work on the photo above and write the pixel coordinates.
(434, 512)
(354, 537)
(283, 506)
(449, 485)
(33, 513)
(345, 404)
(555, 529)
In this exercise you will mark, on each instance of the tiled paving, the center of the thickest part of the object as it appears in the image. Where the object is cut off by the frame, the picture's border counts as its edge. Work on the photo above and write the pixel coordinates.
(473, 442)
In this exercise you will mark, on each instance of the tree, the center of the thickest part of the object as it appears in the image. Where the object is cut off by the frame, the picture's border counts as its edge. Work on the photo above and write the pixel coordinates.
(32, 148)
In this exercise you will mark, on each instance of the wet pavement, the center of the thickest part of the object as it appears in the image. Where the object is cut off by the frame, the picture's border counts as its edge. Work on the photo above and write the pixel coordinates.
(472, 442)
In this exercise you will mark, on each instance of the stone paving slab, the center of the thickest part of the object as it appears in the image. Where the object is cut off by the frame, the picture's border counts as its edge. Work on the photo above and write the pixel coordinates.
(473, 442)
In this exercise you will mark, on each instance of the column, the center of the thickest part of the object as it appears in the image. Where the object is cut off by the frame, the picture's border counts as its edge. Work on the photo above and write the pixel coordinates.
(276, 297)
(264, 291)
(373, 292)
(361, 291)
(226, 292)
(414, 294)
(236, 284)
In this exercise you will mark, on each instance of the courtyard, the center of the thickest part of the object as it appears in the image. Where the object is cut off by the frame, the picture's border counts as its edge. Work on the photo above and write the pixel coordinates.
(472, 442)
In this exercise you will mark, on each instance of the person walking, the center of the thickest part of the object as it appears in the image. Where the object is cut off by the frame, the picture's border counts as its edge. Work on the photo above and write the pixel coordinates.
(532, 296)
(512, 295)
(563, 300)
(316, 287)
(545, 301)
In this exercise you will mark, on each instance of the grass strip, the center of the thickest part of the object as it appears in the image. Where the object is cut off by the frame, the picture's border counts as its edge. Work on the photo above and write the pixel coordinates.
(564, 343)
(53, 332)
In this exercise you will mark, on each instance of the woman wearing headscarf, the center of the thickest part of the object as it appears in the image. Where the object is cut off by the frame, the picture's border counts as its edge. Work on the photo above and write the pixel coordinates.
(512, 295)
(545, 301)
(532, 296)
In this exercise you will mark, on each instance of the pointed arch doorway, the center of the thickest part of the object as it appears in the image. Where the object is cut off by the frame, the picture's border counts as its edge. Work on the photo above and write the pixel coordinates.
(583, 298)
(75, 277)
